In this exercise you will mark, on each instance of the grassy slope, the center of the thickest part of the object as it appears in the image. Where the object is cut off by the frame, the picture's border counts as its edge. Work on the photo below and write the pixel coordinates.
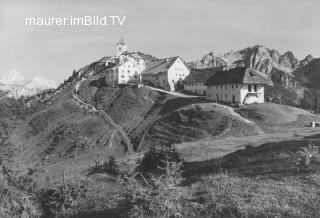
(198, 121)
(278, 122)
(274, 117)
(256, 176)
(48, 137)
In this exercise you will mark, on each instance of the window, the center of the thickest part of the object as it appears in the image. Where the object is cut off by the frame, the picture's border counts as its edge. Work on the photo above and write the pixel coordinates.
(255, 88)
(232, 86)
(226, 96)
(249, 88)
(135, 76)
(236, 85)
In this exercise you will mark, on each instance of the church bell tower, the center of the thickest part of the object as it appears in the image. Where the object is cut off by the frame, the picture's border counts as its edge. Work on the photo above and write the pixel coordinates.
(121, 47)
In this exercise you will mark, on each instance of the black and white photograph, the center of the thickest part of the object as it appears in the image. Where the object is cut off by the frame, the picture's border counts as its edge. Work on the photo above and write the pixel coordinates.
(155, 109)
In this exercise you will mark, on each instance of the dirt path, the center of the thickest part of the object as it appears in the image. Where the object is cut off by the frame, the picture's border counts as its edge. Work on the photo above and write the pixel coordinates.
(106, 117)
(178, 94)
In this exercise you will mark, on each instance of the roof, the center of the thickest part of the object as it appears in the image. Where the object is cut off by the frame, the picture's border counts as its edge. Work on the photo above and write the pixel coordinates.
(238, 75)
(159, 66)
(199, 75)
(132, 54)
(121, 42)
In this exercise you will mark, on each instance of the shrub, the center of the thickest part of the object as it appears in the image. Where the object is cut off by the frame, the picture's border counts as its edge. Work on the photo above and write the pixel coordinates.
(64, 199)
(160, 196)
(109, 167)
(155, 156)
(308, 154)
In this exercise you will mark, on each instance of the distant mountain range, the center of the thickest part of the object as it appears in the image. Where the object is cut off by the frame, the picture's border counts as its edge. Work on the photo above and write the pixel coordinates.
(280, 67)
(258, 57)
(15, 85)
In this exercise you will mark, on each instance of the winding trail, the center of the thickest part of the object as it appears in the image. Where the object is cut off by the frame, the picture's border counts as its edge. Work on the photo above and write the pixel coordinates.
(107, 118)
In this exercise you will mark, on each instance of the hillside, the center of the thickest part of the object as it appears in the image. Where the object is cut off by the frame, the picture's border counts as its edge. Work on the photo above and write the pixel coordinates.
(274, 117)
(71, 134)
(198, 121)
(309, 74)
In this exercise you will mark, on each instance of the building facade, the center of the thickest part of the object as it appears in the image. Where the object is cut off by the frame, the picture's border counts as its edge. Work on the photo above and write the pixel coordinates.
(126, 67)
(239, 85)
(195, 81)
(167, 73)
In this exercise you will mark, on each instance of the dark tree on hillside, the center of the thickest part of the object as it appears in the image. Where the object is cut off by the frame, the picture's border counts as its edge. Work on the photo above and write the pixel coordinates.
(316, 105)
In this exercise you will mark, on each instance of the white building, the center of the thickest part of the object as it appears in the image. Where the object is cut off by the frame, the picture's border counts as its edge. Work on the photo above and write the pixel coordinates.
(195, 81)
(126, 72)
(126, 67)
(167, 73)
(241, 85)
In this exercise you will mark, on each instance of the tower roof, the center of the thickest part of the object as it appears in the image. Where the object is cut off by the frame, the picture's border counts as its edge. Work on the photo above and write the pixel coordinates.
(121, 42)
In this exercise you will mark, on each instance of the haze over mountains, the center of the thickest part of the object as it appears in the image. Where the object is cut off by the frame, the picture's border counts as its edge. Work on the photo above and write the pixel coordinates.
(15, 85)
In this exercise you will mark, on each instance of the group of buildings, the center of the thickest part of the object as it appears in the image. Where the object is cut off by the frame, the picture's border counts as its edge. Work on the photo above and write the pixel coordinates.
(242, 85)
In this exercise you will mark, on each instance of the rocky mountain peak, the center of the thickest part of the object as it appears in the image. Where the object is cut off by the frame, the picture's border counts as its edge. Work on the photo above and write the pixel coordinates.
(288, 60)
(308, 59)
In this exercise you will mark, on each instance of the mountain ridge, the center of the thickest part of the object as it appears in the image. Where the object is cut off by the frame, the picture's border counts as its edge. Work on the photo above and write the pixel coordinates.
(258, 56)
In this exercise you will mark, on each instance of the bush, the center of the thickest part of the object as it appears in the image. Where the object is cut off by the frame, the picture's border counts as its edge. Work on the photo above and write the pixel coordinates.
(109, 167)
(154, 158)
(64, 200)
(160, 196)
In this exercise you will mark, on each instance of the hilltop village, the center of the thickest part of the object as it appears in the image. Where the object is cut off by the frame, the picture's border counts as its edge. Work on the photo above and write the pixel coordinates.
(240, 85)
(131, 130)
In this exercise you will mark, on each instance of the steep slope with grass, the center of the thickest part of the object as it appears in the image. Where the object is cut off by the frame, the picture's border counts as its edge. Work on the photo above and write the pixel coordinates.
(61, 131)
(198, 121)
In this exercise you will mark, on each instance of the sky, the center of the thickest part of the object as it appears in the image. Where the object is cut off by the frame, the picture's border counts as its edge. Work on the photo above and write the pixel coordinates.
(165, 28)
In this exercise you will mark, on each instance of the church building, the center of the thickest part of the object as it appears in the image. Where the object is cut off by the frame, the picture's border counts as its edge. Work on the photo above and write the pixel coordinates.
(126, 66)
